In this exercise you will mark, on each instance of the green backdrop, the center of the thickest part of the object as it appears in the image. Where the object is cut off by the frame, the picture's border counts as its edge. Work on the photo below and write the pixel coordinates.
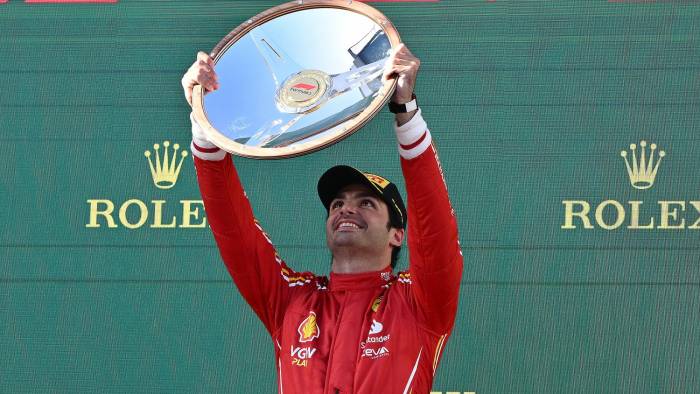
(530, 104)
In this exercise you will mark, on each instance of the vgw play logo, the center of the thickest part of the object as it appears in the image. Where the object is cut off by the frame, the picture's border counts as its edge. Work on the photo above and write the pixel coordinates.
(135, 213)
(642, 163)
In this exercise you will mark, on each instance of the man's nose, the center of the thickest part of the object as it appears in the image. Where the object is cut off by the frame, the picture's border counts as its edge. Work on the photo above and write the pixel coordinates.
(347, 209)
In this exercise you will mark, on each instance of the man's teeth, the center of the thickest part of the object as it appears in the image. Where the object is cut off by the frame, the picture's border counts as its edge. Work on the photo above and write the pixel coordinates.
(349, 225)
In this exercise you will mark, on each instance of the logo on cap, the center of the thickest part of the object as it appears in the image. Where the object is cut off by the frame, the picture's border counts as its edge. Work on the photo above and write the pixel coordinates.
(377, 180)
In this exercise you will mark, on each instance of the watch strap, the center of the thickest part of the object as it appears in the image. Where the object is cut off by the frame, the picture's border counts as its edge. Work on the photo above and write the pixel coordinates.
(404, 108)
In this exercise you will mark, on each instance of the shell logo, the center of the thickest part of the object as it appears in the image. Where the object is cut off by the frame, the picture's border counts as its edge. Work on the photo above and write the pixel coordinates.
(308, 329)
(376, 179)
(375, 304)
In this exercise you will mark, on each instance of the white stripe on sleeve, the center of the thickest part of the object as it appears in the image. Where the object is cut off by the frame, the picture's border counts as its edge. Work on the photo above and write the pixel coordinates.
(201, 146)
(217, 155)
(412, 132)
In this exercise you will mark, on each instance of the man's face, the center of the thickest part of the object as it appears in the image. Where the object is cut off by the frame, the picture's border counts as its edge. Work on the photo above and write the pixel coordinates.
(357, 218)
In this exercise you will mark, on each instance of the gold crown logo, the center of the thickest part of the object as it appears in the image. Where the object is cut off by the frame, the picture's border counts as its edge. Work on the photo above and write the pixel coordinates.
(165, 172)
(642, 171)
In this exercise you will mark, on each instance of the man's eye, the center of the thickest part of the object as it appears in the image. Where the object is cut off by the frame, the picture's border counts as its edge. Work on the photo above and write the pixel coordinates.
(367, 203)
(336, 204)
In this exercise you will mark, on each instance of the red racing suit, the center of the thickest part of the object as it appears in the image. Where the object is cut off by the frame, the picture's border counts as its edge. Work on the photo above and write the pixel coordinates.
(366, 333)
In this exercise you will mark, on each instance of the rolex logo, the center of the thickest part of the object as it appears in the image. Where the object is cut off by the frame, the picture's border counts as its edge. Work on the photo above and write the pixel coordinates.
(165, 171)
(642, 170)
(614, 214)
(151, 212)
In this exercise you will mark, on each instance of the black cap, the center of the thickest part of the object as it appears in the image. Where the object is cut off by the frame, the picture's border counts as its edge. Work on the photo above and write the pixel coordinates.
(338, 177)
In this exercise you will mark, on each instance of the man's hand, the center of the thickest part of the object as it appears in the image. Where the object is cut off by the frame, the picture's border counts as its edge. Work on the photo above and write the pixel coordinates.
(403, 66)
(200, 73)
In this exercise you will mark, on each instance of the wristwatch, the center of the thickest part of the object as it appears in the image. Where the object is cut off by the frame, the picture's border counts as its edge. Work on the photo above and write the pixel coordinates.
(404, 108)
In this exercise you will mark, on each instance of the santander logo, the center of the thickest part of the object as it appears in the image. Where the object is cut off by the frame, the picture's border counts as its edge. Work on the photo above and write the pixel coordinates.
(376, 328)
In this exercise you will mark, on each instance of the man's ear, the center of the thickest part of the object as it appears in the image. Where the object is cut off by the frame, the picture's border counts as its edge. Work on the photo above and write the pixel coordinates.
(396, 237)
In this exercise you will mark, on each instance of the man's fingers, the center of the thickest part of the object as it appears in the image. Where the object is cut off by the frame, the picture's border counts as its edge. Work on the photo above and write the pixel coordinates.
(200, 73)
(208, 80)
(405, 56)
(397, 69)
(205, 71)
(205, 68)
(207, 74)
(407, 62)
(205, 89)
(405, 51)
(388, 73)
(403, 66)
(203, 59)
(400, 56)
(203, 56)
(401, 50)
(185, 82)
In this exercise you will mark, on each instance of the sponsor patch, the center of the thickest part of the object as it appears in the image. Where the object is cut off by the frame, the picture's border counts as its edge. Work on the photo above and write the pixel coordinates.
(377, 180)
(308, 329)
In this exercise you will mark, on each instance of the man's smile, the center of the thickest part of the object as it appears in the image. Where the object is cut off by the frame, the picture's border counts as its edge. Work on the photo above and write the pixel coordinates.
(347, 225)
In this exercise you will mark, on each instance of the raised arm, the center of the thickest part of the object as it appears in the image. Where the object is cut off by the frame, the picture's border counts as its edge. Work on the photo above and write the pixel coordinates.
(259, 273)
(435, 264)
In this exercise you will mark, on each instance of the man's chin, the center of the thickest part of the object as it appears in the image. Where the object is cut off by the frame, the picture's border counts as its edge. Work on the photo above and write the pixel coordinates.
(344, 239)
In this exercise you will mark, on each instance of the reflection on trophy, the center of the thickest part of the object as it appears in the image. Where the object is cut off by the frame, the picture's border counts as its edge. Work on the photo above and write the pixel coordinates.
(295, 83)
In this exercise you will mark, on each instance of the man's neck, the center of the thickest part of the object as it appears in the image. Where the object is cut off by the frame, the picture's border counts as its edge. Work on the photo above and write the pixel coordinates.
(351, 262)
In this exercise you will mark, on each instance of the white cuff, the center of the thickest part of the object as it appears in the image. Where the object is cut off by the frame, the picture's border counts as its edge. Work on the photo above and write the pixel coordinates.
(210, 154)
(198, 135)
(201, 146)
(413, 137)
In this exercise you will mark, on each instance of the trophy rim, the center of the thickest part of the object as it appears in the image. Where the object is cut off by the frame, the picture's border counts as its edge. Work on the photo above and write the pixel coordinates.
(298, 149)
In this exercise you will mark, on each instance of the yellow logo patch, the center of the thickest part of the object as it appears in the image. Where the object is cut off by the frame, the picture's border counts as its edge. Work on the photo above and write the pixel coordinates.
(377, 180)
(375, 304)
(308, 329)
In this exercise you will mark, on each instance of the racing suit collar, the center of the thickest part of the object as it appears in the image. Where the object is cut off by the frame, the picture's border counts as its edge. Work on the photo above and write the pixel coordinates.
(363, 280)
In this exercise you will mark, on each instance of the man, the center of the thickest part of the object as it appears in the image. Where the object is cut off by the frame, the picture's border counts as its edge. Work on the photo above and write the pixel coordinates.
(364, 329)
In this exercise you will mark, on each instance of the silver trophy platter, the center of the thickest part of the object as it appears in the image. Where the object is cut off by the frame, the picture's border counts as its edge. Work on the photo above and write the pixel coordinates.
(297, 78)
